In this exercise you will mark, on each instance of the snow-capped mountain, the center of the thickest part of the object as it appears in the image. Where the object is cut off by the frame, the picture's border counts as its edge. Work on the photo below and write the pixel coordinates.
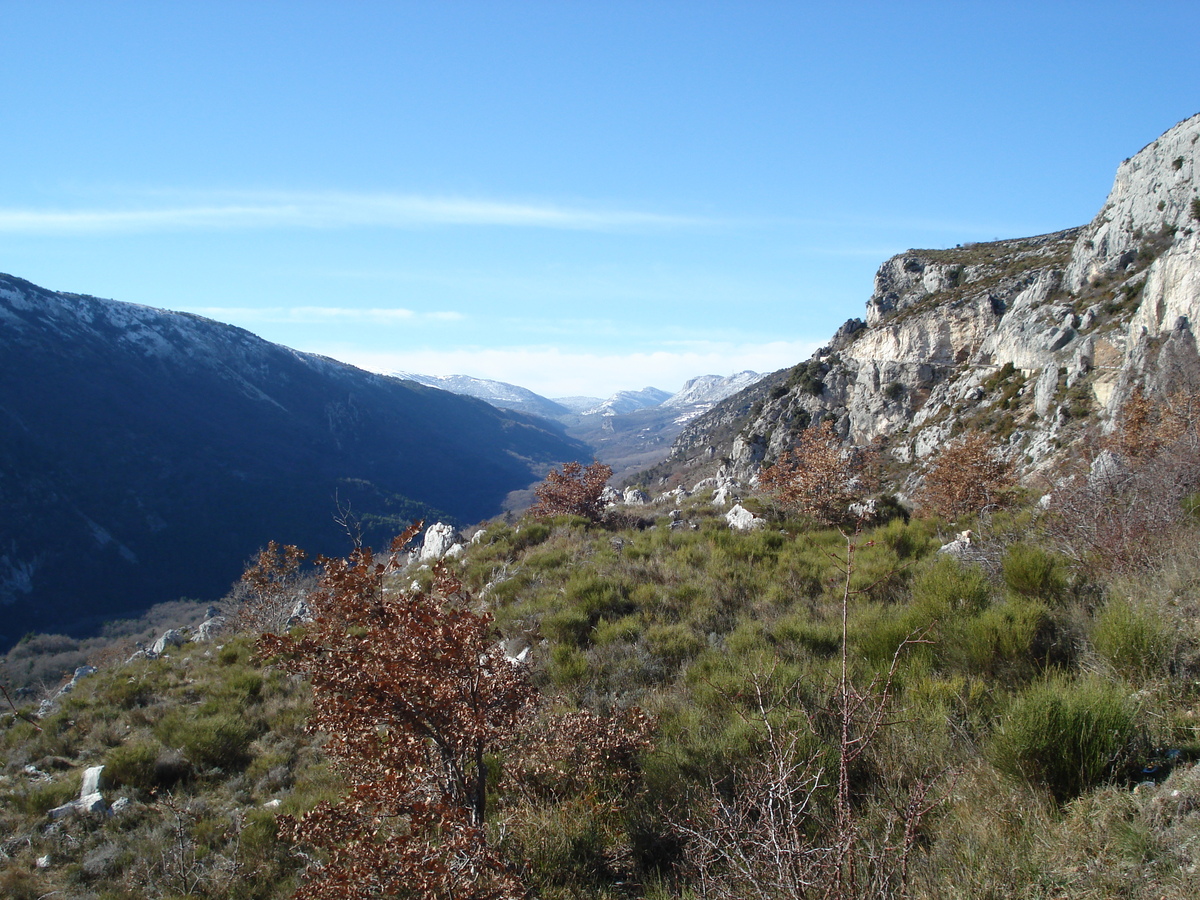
(711, 389)
(623, 402)
(578, 405)
(500, 394)
(630, 430)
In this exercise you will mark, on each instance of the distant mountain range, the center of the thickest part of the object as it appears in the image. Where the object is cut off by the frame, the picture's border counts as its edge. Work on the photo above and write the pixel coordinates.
(498, 393)
(146, 454)
(630, 431)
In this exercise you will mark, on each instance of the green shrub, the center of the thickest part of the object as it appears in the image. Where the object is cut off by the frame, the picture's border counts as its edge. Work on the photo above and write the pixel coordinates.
(597, 596)
(1133, 639)
(613, 631)
(1032, 572)
(133, 764)
(44, 797)
(1009, 638)
(220, 740)
(236, 651)
(570, 626)
(125, 692)
(673, 643)
(568, 848)
(567, 665)
(1066, 736)
(947, 586)
(530, 535)
(548, 560)
(240, 689)
(877, 633)
(799, 633)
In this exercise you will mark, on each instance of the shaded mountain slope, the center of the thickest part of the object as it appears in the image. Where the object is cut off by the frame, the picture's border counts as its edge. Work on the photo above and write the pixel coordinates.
(145, 454)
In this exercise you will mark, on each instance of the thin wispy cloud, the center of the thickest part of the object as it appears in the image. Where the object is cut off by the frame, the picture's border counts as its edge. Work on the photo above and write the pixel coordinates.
(256, 210)
(315, 315)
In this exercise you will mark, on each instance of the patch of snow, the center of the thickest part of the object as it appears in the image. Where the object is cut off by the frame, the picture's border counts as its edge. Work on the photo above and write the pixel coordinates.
(712, 389)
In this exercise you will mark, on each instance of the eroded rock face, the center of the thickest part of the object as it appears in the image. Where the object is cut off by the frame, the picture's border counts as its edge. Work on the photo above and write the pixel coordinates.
(439, 538)
(1153, 188)
(172, 637)
(1027, 339)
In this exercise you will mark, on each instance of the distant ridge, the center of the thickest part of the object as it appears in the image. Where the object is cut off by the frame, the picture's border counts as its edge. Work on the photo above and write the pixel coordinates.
(498, 393)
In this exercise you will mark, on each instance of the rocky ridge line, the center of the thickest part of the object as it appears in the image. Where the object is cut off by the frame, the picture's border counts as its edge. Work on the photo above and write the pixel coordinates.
(1029, 339)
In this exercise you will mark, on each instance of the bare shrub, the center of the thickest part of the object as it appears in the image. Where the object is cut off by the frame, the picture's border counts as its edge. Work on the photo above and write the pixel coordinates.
(1140, 485)
(575, 491)
(968, 476)
(270, 589)
(818, 477)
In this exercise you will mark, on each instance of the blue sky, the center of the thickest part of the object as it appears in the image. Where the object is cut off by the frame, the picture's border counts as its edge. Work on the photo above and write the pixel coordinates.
(575, 197)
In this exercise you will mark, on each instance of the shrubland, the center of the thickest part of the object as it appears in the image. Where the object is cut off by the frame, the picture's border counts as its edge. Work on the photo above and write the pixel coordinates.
(797, 711)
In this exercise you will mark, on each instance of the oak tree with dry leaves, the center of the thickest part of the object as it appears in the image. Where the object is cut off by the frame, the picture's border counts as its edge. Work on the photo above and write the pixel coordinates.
(969, 476)
(575, 491)
(414, 693)
(819, 477)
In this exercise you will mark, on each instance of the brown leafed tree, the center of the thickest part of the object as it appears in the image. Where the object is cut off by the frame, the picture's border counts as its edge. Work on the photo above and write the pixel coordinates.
(818, 477)
(413, 692)
(271, 587)
(1146, 426)
(1143, 481)
(968, 476)
(575, 491)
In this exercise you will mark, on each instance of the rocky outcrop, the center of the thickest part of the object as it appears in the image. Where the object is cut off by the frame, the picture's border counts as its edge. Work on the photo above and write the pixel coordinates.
(1030, 339)
(440, 538)
(741, 519)
(90, 799)
(1152, 189)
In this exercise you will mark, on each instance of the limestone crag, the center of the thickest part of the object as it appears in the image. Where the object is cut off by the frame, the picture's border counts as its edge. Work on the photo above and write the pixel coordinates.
(1153, 188)
(1029, 339)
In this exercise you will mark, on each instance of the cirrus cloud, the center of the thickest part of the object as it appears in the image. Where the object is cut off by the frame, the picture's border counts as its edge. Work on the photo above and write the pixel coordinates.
(223, 210)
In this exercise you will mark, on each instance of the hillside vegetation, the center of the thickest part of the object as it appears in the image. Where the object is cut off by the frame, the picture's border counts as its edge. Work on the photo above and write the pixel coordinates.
(788, 712)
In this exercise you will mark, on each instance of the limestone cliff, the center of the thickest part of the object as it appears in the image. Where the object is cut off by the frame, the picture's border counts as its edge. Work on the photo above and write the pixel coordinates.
(1031, 339)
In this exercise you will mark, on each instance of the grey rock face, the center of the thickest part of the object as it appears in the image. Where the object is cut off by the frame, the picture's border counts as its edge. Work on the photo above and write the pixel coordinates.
(635, 497)
(210, 628)
(170, 638)
(1153, 188)
(300, 615)
(439, 538)
(90, 800)
(1021, 336)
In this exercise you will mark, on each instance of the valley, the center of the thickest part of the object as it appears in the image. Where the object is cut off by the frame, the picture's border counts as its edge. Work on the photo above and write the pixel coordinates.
(918, 616)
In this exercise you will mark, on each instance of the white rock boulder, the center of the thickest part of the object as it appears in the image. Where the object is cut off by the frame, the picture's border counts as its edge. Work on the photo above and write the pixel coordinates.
(439, 538)
(741, 519)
